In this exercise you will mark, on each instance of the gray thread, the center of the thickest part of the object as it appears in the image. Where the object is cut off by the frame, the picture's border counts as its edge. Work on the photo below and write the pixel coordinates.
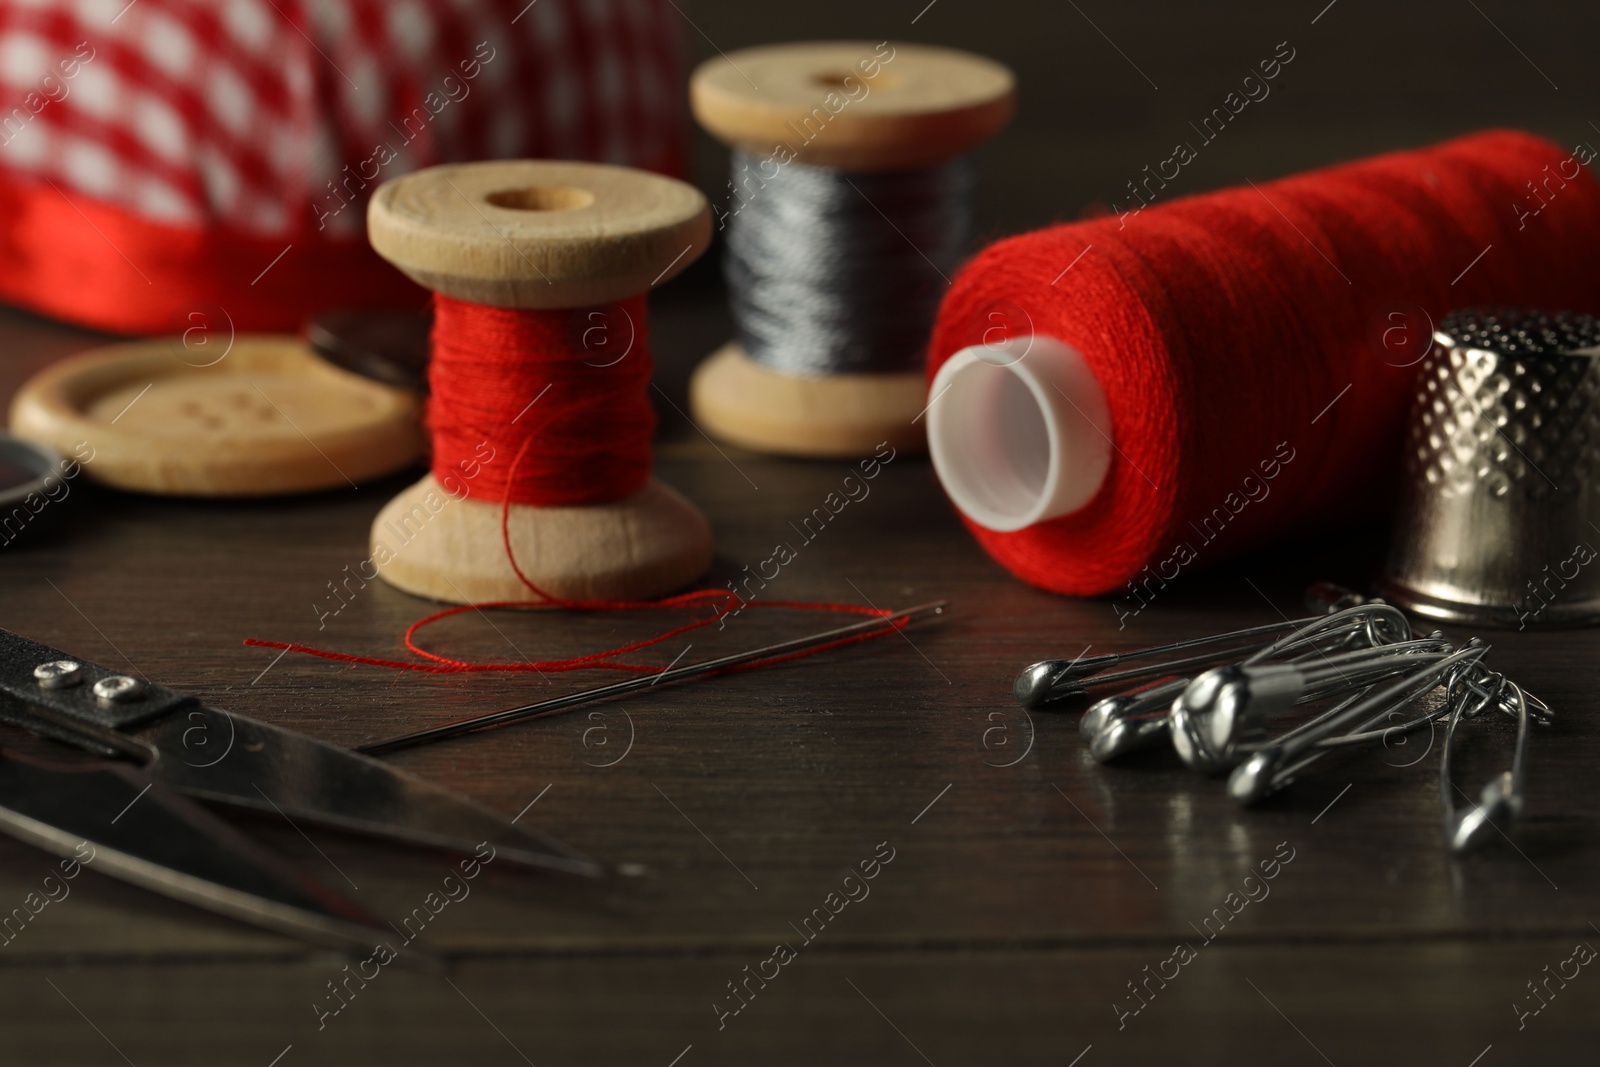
(821, 282)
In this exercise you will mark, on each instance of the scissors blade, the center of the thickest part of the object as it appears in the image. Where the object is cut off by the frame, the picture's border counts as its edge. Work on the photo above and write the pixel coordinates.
(231, 759)
(115, 820)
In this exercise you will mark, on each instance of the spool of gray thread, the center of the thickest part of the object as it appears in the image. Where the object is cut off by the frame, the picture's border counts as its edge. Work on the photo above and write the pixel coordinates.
(834, 272)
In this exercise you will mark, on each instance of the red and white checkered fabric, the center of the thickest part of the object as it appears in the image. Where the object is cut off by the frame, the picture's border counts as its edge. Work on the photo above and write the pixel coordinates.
(275, 119)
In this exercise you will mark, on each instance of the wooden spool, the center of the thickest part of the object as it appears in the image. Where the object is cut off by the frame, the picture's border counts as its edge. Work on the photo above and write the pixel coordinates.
(525, 234)
(854, 106)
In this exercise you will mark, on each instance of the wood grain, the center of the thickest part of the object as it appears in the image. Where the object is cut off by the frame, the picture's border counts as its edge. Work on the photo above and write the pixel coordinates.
(448, 547)
(833, 416)
(538, 234)
(856, 105)
(250, 416)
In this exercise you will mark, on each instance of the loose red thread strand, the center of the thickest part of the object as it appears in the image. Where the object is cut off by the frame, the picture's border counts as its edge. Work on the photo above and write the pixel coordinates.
(574, 386)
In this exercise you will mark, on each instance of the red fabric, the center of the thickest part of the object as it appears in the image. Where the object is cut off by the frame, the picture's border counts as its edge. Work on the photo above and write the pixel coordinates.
(158, 156)
(1224, 325)
(567, 390)
(101, 266)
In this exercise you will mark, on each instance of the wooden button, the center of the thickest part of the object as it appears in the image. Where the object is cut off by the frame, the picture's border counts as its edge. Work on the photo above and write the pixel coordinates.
(538, 234)
(855, 105)
(269, 417)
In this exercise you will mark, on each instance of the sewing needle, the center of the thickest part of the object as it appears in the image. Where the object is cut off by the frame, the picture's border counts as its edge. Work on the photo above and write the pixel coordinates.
(557, 705)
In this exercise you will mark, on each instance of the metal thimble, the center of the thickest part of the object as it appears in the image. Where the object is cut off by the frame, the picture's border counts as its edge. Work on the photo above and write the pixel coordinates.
(1499, 513)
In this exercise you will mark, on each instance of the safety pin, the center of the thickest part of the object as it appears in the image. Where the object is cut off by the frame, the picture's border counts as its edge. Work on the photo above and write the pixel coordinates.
(1464, 676)
(1500, 801)
(1054, 681)
(1224, 711)
(1133, 720)
(1379, 623)
(1276, 764)
(1130, 721)
(1218, 719)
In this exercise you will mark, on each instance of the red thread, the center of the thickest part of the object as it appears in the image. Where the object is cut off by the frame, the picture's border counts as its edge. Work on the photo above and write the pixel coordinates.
(1221, 325)
(568, 390)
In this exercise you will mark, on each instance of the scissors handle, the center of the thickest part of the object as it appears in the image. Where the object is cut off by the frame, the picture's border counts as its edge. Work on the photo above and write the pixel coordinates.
(47, 692)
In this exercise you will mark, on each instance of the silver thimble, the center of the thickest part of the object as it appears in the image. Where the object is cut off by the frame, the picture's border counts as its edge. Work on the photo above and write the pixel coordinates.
(1499, 514)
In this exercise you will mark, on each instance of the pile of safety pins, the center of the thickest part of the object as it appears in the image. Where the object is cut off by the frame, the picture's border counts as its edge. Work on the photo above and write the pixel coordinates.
(1359, 671)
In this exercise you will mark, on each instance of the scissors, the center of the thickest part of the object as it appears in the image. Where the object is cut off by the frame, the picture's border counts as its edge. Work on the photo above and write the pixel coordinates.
(155, 751)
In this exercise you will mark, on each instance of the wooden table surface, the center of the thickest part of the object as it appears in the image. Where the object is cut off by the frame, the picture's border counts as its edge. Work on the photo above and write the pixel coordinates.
(1029, 889)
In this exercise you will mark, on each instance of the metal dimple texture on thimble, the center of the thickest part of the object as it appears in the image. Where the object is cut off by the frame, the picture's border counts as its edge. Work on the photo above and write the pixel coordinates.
(1499, 509)
(1506, 404)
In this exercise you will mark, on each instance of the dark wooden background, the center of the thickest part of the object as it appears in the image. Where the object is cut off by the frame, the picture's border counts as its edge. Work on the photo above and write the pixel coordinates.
(1029, 885)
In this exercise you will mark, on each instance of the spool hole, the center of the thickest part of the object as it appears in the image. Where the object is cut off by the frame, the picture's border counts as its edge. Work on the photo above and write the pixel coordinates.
(1019, 431)
(542, 198)
(999, 471)
(850, 80)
